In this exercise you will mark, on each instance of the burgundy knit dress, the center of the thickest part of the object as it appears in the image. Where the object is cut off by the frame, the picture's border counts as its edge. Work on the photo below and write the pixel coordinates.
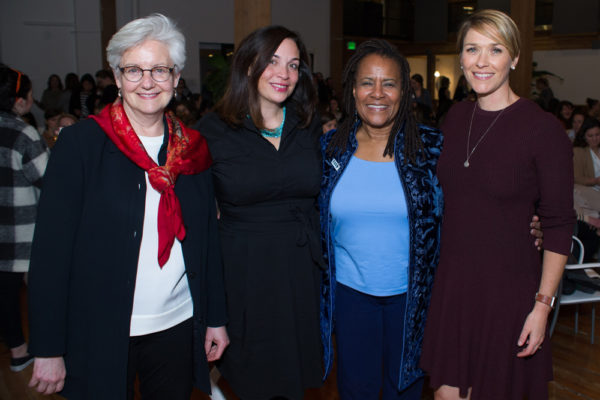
(489, 269)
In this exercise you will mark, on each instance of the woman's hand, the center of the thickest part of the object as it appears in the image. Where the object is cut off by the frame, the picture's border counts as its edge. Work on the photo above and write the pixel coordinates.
(536, 231)
(594, 222)
(215, 343)
(48, 375)
(534, 330)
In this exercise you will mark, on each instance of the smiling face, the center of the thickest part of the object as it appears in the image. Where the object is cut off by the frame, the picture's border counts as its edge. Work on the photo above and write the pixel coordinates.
(577, 122)
(377, 91)
(486, 64)
(147, 97)
(592, 137)
(566, 111)
(279, 78)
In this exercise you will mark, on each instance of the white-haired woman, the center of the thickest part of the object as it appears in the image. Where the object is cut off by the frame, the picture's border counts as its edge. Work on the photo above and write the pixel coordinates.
(126, 274)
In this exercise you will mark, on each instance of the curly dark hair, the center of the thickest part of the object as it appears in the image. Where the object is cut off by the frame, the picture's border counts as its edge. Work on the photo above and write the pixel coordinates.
(249, 62)
(588, 123)
(405, 117)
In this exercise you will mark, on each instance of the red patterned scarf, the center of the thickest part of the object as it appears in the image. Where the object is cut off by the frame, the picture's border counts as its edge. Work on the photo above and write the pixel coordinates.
(187, 153)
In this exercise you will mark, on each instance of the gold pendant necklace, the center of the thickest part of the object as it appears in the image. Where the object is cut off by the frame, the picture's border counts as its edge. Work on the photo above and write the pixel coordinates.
(469, 154)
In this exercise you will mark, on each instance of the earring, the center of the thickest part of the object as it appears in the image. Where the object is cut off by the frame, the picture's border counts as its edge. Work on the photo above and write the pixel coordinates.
(461, 67)
(119, 92)
(512, 67)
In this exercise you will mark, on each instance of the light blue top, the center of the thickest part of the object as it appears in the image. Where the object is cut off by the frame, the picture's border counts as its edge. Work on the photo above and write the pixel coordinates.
(370, 228)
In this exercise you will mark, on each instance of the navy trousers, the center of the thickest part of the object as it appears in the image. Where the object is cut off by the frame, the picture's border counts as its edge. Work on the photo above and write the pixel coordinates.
(368, 332)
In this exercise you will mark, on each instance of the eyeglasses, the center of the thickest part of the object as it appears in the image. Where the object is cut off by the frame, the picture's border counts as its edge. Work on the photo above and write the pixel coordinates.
(133, 73)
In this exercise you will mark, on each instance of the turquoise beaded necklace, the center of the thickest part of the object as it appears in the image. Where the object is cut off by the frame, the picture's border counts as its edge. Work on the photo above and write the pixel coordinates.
(275, 133)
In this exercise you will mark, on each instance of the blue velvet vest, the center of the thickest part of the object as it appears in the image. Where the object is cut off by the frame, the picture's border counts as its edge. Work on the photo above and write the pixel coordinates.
(425, 204)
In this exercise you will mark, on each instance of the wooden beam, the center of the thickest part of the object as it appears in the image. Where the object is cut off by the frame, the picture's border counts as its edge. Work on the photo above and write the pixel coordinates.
(337, 43)
(108, 26)
(250, 15)
(430, 78)
(565, 42)
(523, 13)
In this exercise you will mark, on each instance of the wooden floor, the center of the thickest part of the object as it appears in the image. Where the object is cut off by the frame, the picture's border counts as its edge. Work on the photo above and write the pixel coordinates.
(576, 367)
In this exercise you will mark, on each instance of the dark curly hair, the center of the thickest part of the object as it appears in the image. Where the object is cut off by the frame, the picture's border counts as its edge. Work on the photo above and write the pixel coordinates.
(588, 123)
(249, 62)
(405, 117)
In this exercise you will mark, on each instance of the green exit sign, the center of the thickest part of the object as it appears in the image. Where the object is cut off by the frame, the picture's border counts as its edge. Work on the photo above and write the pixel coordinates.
(351, 45)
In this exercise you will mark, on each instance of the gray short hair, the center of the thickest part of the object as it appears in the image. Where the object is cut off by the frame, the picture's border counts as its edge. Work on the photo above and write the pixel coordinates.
(153, 27)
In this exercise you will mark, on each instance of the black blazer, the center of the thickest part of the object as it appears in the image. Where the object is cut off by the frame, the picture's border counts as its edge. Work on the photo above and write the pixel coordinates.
(85, 254)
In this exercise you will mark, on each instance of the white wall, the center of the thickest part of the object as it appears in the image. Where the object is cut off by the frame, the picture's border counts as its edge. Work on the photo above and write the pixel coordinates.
(418, 65)
(448, 66)
(578, 68)
(45, 37)
(42, 37)
(200, 21)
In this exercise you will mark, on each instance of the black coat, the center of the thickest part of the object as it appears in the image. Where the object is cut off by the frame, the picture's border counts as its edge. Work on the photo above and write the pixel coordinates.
(85, 255)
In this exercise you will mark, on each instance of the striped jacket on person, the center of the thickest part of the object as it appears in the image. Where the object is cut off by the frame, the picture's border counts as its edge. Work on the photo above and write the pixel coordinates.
(23, 158)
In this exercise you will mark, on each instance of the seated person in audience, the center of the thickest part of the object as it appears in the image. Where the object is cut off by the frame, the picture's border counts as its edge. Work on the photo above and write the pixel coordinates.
(71, 86)
(107, 91)
(83, 100)
(421, 95)
(577, 119)
(545, 94)
(334, 108)
(64, 121)
(462, 89)
(51, 117)
(593, 108)
(182, 92)
(328, 122)
(52, 96)
(200, 105)
(564, 113)
(185, 111)
(586, 166)
(586, 153)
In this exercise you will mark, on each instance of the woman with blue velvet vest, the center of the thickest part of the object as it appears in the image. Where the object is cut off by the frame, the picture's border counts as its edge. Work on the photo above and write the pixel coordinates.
(381, 208)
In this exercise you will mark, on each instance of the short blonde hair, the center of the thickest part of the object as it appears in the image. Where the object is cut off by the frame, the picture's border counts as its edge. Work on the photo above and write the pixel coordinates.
(494, 24)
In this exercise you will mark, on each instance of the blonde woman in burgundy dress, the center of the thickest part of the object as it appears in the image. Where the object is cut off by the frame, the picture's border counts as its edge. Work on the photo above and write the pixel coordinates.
(504, 159)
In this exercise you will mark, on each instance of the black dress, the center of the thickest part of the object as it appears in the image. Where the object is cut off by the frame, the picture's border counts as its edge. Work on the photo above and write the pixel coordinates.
(269, 238)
